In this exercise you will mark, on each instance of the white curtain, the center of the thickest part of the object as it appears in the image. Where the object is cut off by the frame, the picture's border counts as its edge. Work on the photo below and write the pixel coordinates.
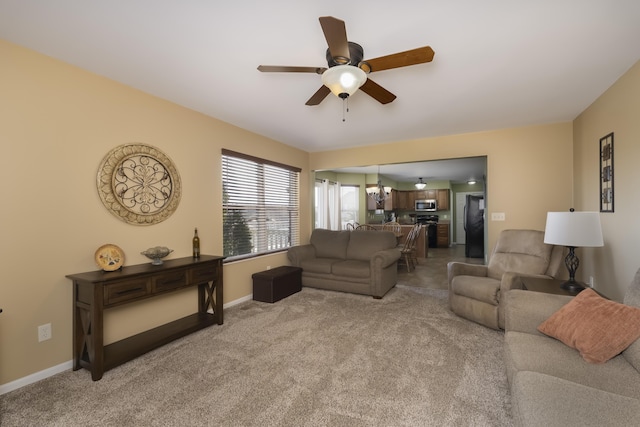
(328, 205)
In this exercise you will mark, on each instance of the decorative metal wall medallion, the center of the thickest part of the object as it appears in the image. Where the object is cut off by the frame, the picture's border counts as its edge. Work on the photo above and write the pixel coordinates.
(139, 184)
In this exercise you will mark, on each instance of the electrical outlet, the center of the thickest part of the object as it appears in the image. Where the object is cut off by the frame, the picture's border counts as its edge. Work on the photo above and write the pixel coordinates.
(44, 332)
(497, 216)
(268, 267)
(590, 281)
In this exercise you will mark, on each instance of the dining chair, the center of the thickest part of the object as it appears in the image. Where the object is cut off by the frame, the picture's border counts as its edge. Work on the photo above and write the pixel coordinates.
(392, 226)
(408, 255)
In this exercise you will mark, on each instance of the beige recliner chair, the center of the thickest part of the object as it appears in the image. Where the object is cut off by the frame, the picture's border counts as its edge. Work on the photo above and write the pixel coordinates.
(475, 291)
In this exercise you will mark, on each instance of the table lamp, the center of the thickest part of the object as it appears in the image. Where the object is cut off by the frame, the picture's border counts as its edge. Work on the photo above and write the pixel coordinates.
(573, 229)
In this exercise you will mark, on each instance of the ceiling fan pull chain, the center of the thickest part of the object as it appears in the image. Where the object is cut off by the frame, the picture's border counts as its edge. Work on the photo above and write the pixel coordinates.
(345, 107)
(344, 100)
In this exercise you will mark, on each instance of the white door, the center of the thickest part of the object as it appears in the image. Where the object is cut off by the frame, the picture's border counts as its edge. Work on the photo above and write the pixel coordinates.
(461, 200)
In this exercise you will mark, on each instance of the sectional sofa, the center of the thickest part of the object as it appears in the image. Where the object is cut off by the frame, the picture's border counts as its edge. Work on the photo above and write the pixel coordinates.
(573, 384)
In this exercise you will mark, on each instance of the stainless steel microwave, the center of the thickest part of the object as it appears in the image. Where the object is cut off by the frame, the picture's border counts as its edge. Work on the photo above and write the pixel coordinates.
(428, 205)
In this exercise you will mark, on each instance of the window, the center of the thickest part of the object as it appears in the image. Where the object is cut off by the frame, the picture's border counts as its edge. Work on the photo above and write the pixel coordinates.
(336, 205)
(349, 204)
(260, 209)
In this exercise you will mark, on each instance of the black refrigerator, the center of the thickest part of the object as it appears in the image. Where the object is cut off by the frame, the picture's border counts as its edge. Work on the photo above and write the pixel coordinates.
(474, 226)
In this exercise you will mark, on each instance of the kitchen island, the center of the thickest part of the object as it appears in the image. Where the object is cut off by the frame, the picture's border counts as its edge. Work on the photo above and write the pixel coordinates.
(422, 246)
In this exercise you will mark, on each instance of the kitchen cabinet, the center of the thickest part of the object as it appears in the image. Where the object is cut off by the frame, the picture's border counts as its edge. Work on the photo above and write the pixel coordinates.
(443, 199)
(443, 235)
(404, 200)
(390, 201)
(411, 200)
(425, 194)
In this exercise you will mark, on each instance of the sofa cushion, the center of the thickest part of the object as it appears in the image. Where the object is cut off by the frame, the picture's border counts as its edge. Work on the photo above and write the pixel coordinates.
(598, 328)
(539, 353)
(352, 268)
(330, 243)
(483, 289)
(364, 244)
(318, 265)
(543, 400)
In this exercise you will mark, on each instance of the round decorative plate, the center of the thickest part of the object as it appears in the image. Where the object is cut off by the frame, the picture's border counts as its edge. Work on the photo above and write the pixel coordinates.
(139, 184)
(109, 257)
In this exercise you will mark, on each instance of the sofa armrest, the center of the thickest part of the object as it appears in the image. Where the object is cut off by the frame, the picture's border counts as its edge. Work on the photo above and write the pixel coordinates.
(512, 280)
(463, 269)
(526, 310)
(297, 254)
(384, 258)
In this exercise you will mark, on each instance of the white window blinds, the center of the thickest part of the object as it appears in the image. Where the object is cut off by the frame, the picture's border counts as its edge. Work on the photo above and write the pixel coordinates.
(260, 205)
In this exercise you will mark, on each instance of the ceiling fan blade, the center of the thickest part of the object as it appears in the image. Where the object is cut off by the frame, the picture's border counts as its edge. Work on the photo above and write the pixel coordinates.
(336, 34)
(318, 96)
(377, 92)
(401, 59)
(290, 69)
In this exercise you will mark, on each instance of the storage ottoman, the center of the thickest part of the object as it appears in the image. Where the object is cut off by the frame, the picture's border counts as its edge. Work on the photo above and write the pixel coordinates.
(277, 283)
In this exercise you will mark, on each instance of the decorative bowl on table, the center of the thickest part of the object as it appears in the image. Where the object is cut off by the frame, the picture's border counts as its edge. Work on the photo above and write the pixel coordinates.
(156, 254)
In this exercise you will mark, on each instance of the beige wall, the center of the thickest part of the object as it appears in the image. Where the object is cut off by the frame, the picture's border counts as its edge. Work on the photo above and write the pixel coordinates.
(529, 170)
(617, 110)
(57, 122)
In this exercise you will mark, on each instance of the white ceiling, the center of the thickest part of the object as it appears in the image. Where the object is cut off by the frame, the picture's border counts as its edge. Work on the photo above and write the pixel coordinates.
(498, 63)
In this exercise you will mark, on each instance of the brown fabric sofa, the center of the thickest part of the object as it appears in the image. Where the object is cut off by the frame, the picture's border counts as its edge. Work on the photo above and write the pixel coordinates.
(475, 290)
(361, 262)
(551, 384)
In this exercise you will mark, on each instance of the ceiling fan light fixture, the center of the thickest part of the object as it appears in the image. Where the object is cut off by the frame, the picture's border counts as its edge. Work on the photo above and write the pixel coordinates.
(343, 80)
(420, 185)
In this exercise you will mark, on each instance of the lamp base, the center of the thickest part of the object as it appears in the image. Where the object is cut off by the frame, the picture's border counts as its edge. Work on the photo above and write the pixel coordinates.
(572, 286)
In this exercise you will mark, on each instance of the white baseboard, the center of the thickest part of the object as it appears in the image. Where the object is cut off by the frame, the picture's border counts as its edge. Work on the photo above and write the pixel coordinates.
(49, 372)
(34, 378)
(238, 301)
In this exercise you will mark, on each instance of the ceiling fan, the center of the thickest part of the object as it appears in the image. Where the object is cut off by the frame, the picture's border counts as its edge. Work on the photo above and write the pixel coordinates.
(347, 71)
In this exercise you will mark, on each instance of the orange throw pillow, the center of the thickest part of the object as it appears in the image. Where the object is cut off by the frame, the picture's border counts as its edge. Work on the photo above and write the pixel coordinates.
(597, 327)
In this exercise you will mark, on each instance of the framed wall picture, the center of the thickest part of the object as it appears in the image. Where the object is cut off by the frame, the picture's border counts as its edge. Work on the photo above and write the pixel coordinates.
(606, 173)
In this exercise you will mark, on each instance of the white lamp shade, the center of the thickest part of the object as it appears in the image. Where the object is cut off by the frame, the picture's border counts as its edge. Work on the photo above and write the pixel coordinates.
(342, 79)
(577, 229)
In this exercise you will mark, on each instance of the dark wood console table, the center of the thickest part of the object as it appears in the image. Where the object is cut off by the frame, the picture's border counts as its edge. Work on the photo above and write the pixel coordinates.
(96, 291)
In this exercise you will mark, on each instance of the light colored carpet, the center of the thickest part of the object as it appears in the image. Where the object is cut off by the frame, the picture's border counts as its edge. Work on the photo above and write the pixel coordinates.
(316, 358)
